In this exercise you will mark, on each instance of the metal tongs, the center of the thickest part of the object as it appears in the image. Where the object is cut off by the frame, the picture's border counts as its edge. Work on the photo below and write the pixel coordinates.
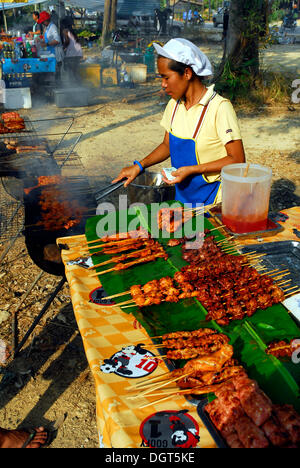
(108, 190)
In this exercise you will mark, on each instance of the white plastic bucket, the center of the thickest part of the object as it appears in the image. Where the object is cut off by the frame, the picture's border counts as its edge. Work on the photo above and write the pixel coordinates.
(137, 72)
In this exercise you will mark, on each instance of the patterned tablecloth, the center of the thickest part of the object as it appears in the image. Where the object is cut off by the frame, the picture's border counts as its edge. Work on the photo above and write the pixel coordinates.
(112, 340)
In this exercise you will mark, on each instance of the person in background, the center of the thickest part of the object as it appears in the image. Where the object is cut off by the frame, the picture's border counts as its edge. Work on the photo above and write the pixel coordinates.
(164, 20)
(295, 9)
(36, 27)
(202, 134)
(72, 50)
(155, 20)
(196, 16)
(53, 41)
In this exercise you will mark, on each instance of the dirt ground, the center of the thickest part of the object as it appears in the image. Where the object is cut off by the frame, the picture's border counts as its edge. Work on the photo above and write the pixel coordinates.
(51, 378)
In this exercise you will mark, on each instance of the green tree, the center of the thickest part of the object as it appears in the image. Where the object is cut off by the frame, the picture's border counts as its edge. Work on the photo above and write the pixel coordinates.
(248, 26)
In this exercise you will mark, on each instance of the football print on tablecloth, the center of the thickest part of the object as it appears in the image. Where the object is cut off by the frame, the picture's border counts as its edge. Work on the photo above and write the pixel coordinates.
(83, 262)
(133, 362)
(97, 296)
(170, 429)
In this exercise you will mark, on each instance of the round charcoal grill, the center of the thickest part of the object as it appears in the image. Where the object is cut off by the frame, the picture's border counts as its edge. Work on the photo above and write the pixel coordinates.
(37, 237)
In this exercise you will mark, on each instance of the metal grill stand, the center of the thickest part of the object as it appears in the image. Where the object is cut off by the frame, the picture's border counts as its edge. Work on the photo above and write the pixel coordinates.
(18, 347)
(59, 154)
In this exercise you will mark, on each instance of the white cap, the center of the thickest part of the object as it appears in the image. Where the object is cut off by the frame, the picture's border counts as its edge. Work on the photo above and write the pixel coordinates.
(188, 53)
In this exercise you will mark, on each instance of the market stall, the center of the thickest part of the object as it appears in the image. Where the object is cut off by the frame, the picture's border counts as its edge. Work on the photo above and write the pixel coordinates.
(161, 344)
(22, 59)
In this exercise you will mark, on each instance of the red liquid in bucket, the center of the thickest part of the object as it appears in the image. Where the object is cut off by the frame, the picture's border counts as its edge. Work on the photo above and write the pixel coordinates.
(243, 226)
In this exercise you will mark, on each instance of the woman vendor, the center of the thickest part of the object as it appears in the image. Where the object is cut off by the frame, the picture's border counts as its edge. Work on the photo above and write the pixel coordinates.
(52, 40)
(202, 134)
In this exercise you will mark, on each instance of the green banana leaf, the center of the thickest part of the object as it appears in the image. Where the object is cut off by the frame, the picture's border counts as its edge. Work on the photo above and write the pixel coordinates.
(249, 336)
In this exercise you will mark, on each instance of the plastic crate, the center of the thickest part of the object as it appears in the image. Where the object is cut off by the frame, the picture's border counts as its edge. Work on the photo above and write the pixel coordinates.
(71, 97)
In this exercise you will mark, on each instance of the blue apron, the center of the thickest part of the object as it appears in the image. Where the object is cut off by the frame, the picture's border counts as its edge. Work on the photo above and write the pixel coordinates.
(183, 151)
(50, 48)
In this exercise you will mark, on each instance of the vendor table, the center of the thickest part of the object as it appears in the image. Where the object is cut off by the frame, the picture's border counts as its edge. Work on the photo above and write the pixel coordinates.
(29, 65)
(106, 331)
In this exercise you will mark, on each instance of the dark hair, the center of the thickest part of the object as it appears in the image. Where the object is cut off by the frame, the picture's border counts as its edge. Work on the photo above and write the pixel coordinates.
(179, 67)
(175, 66)
(66, 23)
(36, 13)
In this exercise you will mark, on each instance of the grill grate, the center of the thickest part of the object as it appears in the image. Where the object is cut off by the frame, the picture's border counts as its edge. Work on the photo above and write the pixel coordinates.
(11, 216)
(59, 144)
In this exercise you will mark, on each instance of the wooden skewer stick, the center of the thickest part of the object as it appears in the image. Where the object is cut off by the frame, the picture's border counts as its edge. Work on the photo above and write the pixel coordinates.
(122, 241)
(112, 251)
(141, 385)
(258, 255)
(277, 272)
(150, 338)
(126, 302)
(117, 295)
(152, 379)
(268, 273)
(130, 264)
(276, 278)
(230, 248)
(155, 402)
(170, 392)
(199, 208)
(155, 345)
(156, 387)
(225, 240)
(188, 391)
(293, 287)
(293, 293)
(284, 282)
(102, 247)
(102, 272)
(130, 255)
(216, 228)
(100, 264)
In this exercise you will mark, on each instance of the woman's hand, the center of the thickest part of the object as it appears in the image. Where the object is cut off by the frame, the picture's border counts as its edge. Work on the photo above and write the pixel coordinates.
(180, 175)
(129, 173)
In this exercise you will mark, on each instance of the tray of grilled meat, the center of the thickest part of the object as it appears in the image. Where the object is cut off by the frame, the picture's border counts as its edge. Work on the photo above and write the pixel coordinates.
(243, 416)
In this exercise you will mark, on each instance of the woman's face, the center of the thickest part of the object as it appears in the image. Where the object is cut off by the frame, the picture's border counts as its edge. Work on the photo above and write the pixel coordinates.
(173, 83)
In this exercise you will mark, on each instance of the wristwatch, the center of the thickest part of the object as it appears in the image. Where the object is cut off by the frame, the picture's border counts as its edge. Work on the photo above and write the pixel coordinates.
(140, 166)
